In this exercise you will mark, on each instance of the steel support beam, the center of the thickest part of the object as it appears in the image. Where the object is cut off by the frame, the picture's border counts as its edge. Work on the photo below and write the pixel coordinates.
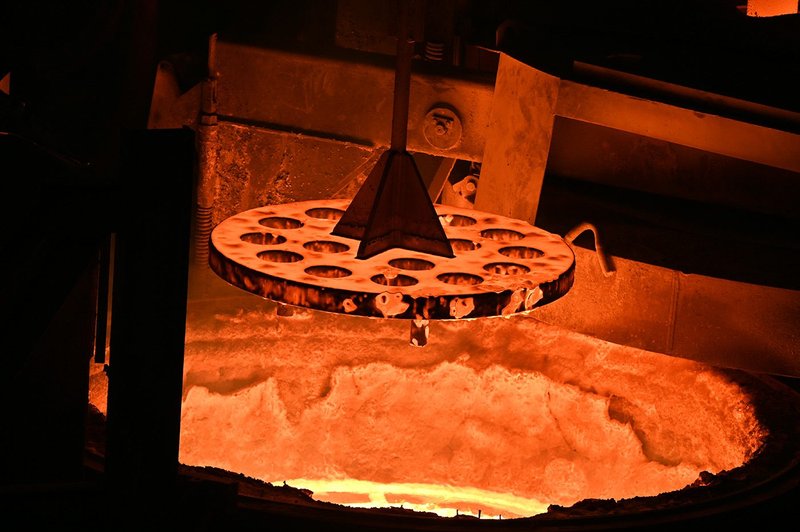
(715, 321)
(350, 100)
(344, 100)
(707, 132)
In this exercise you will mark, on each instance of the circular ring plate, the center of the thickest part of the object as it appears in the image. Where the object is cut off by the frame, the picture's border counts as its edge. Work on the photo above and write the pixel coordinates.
(286, 253)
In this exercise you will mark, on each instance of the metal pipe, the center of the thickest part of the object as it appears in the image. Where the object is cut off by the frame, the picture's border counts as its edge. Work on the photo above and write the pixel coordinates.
(402, 82)
(207, 150)
(603, 260)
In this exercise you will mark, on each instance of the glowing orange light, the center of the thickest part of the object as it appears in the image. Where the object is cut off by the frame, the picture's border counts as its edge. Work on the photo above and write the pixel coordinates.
(771, 8)
(502, 416)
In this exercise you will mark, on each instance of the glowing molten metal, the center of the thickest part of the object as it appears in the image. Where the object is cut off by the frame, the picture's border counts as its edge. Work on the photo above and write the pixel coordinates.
(501, 415)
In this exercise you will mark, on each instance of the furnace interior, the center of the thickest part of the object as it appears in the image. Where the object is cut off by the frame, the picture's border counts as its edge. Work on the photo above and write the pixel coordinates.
(500, 416)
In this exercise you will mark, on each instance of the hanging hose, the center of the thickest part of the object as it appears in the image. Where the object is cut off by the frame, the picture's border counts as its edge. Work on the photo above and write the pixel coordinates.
(604, 260)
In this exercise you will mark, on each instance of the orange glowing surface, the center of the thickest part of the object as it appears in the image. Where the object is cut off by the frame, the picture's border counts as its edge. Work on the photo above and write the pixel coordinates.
(503, 416)
(771, 8)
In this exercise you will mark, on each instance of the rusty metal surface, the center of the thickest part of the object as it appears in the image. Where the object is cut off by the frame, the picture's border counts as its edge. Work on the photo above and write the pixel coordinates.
(704, 131)
(518, 141)
(349, 101)
(269, 92)
(336, 97)
(702, 101)
(262, 167)
(287, 253)
(603, 155)
(345, 100)
(715, 321)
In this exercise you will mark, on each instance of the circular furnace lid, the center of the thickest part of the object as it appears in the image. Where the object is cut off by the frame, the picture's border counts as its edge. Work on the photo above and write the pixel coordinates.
(287, 253)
